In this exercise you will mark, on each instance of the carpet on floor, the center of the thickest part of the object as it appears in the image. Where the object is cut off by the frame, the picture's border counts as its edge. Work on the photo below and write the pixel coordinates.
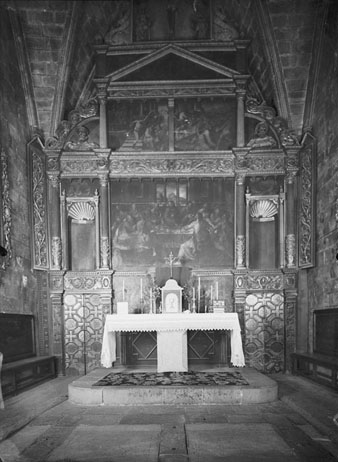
(190, 378)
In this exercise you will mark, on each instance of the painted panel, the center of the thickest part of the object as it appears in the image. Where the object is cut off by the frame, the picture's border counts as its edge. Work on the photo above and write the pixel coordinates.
(192, 219)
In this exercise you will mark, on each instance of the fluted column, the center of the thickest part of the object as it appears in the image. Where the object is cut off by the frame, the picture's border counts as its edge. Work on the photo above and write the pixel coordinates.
(290, 221)
(240, 222)
(54, 219)
(104, 214)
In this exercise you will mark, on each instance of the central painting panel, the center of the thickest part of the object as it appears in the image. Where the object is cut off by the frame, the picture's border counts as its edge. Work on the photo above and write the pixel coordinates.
(192, 218)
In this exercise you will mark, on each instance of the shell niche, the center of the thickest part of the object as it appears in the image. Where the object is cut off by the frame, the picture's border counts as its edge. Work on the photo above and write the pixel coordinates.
(263, 210)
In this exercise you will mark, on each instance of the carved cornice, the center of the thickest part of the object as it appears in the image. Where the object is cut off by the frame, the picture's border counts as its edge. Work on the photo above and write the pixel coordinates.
(260, 162)
(88, 281)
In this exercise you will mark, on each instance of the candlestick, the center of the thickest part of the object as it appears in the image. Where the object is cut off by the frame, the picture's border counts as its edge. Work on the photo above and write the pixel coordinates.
(123, 290)
(211, 293)
(216, 290)
(151, 300)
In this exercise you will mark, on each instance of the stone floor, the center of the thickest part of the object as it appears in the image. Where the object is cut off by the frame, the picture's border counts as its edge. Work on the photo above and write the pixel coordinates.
(41, 425)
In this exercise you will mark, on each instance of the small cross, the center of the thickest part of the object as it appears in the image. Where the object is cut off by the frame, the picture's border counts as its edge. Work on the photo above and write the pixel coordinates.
(170, 260)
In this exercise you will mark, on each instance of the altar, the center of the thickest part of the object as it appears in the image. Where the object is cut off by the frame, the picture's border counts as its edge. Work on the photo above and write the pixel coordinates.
(171, 332)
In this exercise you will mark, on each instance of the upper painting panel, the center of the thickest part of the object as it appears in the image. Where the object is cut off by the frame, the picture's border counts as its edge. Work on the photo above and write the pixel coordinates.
(207, 124)
(169, 20)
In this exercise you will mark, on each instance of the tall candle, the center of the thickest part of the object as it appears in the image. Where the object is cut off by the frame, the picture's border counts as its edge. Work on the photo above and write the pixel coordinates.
(193, 293)
(211, 293)
(216, 290)
(123, 290)
(199, 292)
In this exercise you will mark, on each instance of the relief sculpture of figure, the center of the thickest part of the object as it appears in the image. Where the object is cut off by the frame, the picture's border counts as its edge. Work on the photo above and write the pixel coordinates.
(262, 139)
(143, 24)
(82, 144)
(222, 29)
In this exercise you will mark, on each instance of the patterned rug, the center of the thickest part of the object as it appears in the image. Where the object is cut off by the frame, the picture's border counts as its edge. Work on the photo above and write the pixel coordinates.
(147, 379)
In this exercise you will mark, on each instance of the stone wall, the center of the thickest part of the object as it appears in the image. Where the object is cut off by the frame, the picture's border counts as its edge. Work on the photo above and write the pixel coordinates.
(319, 287)
(17, 282)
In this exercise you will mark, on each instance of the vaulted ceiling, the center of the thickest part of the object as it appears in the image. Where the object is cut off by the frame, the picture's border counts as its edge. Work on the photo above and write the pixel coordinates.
(54, 49)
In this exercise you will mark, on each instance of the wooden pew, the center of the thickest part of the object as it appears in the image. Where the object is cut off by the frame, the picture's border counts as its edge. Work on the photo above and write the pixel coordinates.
(21, 366)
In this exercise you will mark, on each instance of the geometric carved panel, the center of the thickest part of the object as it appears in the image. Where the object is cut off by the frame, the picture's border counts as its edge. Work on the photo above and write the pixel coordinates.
(264, 331)
(84, 316)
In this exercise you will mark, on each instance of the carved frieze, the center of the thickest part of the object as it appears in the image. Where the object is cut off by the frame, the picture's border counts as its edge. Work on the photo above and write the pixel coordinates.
(259, 281)
(290, 249)
(56, 252)
(187, 166)
(157, 91)
(83, 165)
(88, 282)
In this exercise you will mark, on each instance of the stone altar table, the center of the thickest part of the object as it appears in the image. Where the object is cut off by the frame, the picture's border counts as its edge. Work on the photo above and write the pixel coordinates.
(171, 335)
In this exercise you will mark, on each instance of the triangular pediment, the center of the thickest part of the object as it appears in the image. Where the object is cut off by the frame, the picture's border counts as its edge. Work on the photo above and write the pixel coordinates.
(172, 63)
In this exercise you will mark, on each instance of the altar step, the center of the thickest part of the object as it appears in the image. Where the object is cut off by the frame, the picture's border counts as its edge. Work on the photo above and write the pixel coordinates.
(261, 389)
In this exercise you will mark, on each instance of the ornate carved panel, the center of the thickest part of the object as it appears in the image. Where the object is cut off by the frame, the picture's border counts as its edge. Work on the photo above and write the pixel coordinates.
(264, 331)
(84, 316)
(306, 251)
(39, 215)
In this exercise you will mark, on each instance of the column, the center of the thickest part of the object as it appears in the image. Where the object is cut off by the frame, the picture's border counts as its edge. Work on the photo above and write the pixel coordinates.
(104, 214)
(103, 121)
(290, 221)
(240, 118)
(171, 125)
(240, 223)
(54, 217)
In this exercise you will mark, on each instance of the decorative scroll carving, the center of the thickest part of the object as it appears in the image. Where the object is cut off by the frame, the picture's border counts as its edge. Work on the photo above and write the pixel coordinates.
(306, 203)
(56, 252)
(290, 250)
(39, 212)
(187, 166)
(6, 211)
(88, 281)
(265, 163)
(240, 251)
(286, 136)
(80, 166)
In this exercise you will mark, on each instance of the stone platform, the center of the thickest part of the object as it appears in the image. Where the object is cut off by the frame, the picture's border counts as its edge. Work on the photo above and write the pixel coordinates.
(261, 389)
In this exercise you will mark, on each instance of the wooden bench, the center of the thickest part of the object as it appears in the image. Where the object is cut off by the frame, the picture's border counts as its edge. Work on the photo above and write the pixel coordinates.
(322, 364)
(320, 368)
(21, 366)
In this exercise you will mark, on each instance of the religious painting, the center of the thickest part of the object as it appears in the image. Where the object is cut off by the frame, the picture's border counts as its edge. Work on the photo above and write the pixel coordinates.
(206, 124)
(138, 125)
(193, 219)
(171, 20)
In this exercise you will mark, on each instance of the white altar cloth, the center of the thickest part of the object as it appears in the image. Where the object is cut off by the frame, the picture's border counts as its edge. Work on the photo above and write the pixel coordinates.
(171, 322)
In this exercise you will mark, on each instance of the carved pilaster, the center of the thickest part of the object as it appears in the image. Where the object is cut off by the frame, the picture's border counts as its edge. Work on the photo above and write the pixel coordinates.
(56, 253)
(6, 211)
(58, 349)
(240, 252)
(290, 328)
(240, 222)
(240, 118)
(290, 250)
(103, 121)
(105, 252)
